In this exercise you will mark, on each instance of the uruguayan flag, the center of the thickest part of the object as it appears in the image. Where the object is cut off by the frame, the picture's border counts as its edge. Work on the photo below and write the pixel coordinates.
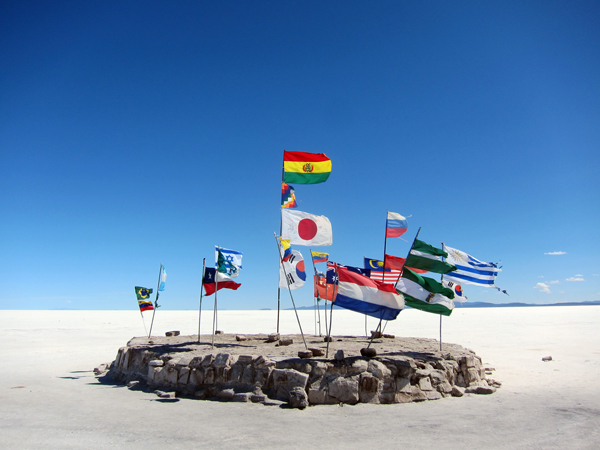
(470, 270)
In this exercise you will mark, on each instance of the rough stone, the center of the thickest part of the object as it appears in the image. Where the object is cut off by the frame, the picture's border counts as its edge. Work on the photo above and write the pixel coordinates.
(368, 352)
(222, 360)
(273, 337)
(457, 391)
(241, 338)
(242, 397)
(258, 398)
(344, 390)
(226, 394)
(316, 351)
(285, 342)
(339, 355)
(379, 369)
(156, 363)
(172, 333)
(547, 358)
(298, 398)
(304, 354)
(284, 380)
(480, 390)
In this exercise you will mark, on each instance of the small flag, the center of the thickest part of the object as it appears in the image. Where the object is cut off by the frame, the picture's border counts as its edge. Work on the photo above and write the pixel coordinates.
(294, 274)
(429, 258)
(459, 294)
(143, 296)
(396, 225)
(305, 168)
(142, 293)
(361, 294)
(377, 271)
(425, 293)
(287, 249)
(322, 289)
(319, 257)
(470, 270)
(211, 276)
(163, 278)
(228, 261)
(288, 198)
(305, 229)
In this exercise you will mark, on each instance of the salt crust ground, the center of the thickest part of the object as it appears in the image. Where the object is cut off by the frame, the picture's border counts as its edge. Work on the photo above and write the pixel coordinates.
(49, 397)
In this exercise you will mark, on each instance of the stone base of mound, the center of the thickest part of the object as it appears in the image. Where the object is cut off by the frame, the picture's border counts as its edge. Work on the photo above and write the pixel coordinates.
(259, 369)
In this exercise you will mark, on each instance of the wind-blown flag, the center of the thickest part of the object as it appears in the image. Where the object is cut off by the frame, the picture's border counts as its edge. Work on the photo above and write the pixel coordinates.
(470, 270)
(163, 279)
(377, 271)
(361, 294)
(305, 168)
(288, 198)
(287, 249)
(396, 225)
(143, 298)
(211, 276)
(319, 257)
(425, 293)
(429, 258)
(228, 261)
(291, 272)
(323, 290)
(305, 229)
(459, 294)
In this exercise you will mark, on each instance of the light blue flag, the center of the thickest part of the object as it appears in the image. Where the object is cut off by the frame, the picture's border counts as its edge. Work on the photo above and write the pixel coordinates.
(163, 279)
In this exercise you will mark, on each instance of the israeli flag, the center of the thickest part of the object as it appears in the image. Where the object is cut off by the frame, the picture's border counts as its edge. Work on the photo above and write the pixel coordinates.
(232, 256)
(470, 270)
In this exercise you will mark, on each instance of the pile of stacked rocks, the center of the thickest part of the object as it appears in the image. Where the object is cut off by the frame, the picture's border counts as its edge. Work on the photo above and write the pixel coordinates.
(392, 378)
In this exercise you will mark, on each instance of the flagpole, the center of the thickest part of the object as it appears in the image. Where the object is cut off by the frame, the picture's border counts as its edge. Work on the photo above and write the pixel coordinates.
(411, 247)
(331, 312)
(290, 291)
(216, 290)
(317, 290)
(385, 246)
(143, 321)
(156, 299)
(280, 230)
(442, 281)
(201, 289)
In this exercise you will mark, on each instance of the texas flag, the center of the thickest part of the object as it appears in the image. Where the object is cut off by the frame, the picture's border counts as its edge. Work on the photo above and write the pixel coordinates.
(396, 225)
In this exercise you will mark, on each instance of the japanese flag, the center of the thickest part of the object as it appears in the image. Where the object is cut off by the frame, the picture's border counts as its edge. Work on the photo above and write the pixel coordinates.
(305, 229)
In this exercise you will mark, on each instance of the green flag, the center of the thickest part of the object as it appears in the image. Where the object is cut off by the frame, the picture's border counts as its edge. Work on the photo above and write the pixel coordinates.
(142, 293)
(427, 257)
(425, 293)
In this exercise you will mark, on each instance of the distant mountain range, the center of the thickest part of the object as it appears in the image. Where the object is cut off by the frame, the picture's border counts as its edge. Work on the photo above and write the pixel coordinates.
(494, 305)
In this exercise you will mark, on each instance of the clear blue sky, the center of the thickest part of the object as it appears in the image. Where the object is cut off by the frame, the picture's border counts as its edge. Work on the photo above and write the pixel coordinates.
(135, 133)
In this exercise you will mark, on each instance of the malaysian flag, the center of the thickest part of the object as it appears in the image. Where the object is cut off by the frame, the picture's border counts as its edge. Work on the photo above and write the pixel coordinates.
(376, 268)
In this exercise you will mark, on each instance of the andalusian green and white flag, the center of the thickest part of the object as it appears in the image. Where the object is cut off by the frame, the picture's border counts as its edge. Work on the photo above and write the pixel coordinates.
(427, 257)
(425, 293)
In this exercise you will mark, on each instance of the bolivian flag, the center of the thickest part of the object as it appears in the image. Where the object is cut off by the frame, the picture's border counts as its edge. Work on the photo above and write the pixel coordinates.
(305, 168)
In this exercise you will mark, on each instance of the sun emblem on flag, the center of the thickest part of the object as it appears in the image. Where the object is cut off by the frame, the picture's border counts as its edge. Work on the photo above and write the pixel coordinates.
(458, 255)
(308, 168)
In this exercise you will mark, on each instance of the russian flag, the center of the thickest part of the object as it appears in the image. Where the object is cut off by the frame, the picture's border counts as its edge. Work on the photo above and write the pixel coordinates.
(396, 225)
(361, 294)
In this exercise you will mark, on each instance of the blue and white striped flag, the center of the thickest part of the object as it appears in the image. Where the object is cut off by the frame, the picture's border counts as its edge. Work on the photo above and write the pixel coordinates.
(163, 278)
(470, 270)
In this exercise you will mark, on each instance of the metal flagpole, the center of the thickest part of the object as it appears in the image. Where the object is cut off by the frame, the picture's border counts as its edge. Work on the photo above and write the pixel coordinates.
(290, 291)
(385, 246)
(331, 312)
(374, 334)
(156, 299)
(201, 288)
(216, 290)
(143, 321)
(280, 229)
(316, 278)
(442, 281)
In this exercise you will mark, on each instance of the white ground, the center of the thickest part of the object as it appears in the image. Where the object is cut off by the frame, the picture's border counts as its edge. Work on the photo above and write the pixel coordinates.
(50, 399)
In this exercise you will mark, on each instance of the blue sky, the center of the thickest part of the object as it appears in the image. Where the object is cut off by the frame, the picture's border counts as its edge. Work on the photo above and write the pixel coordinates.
(140, 133)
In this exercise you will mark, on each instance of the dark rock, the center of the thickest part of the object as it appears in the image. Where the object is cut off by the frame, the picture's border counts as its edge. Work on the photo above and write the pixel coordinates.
(241, 338)
(317, 351)
(273, 337)
(286, 341)
(172, 333)
(298, 398)
(368, 352)
(339, 355)
(547, 358)
(305, 354)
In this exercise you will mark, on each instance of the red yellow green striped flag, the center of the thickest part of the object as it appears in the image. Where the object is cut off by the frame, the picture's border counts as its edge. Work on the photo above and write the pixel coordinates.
(305, 168)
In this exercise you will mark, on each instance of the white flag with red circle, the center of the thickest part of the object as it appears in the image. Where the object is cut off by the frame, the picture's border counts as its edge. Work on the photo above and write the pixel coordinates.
(305, 229)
